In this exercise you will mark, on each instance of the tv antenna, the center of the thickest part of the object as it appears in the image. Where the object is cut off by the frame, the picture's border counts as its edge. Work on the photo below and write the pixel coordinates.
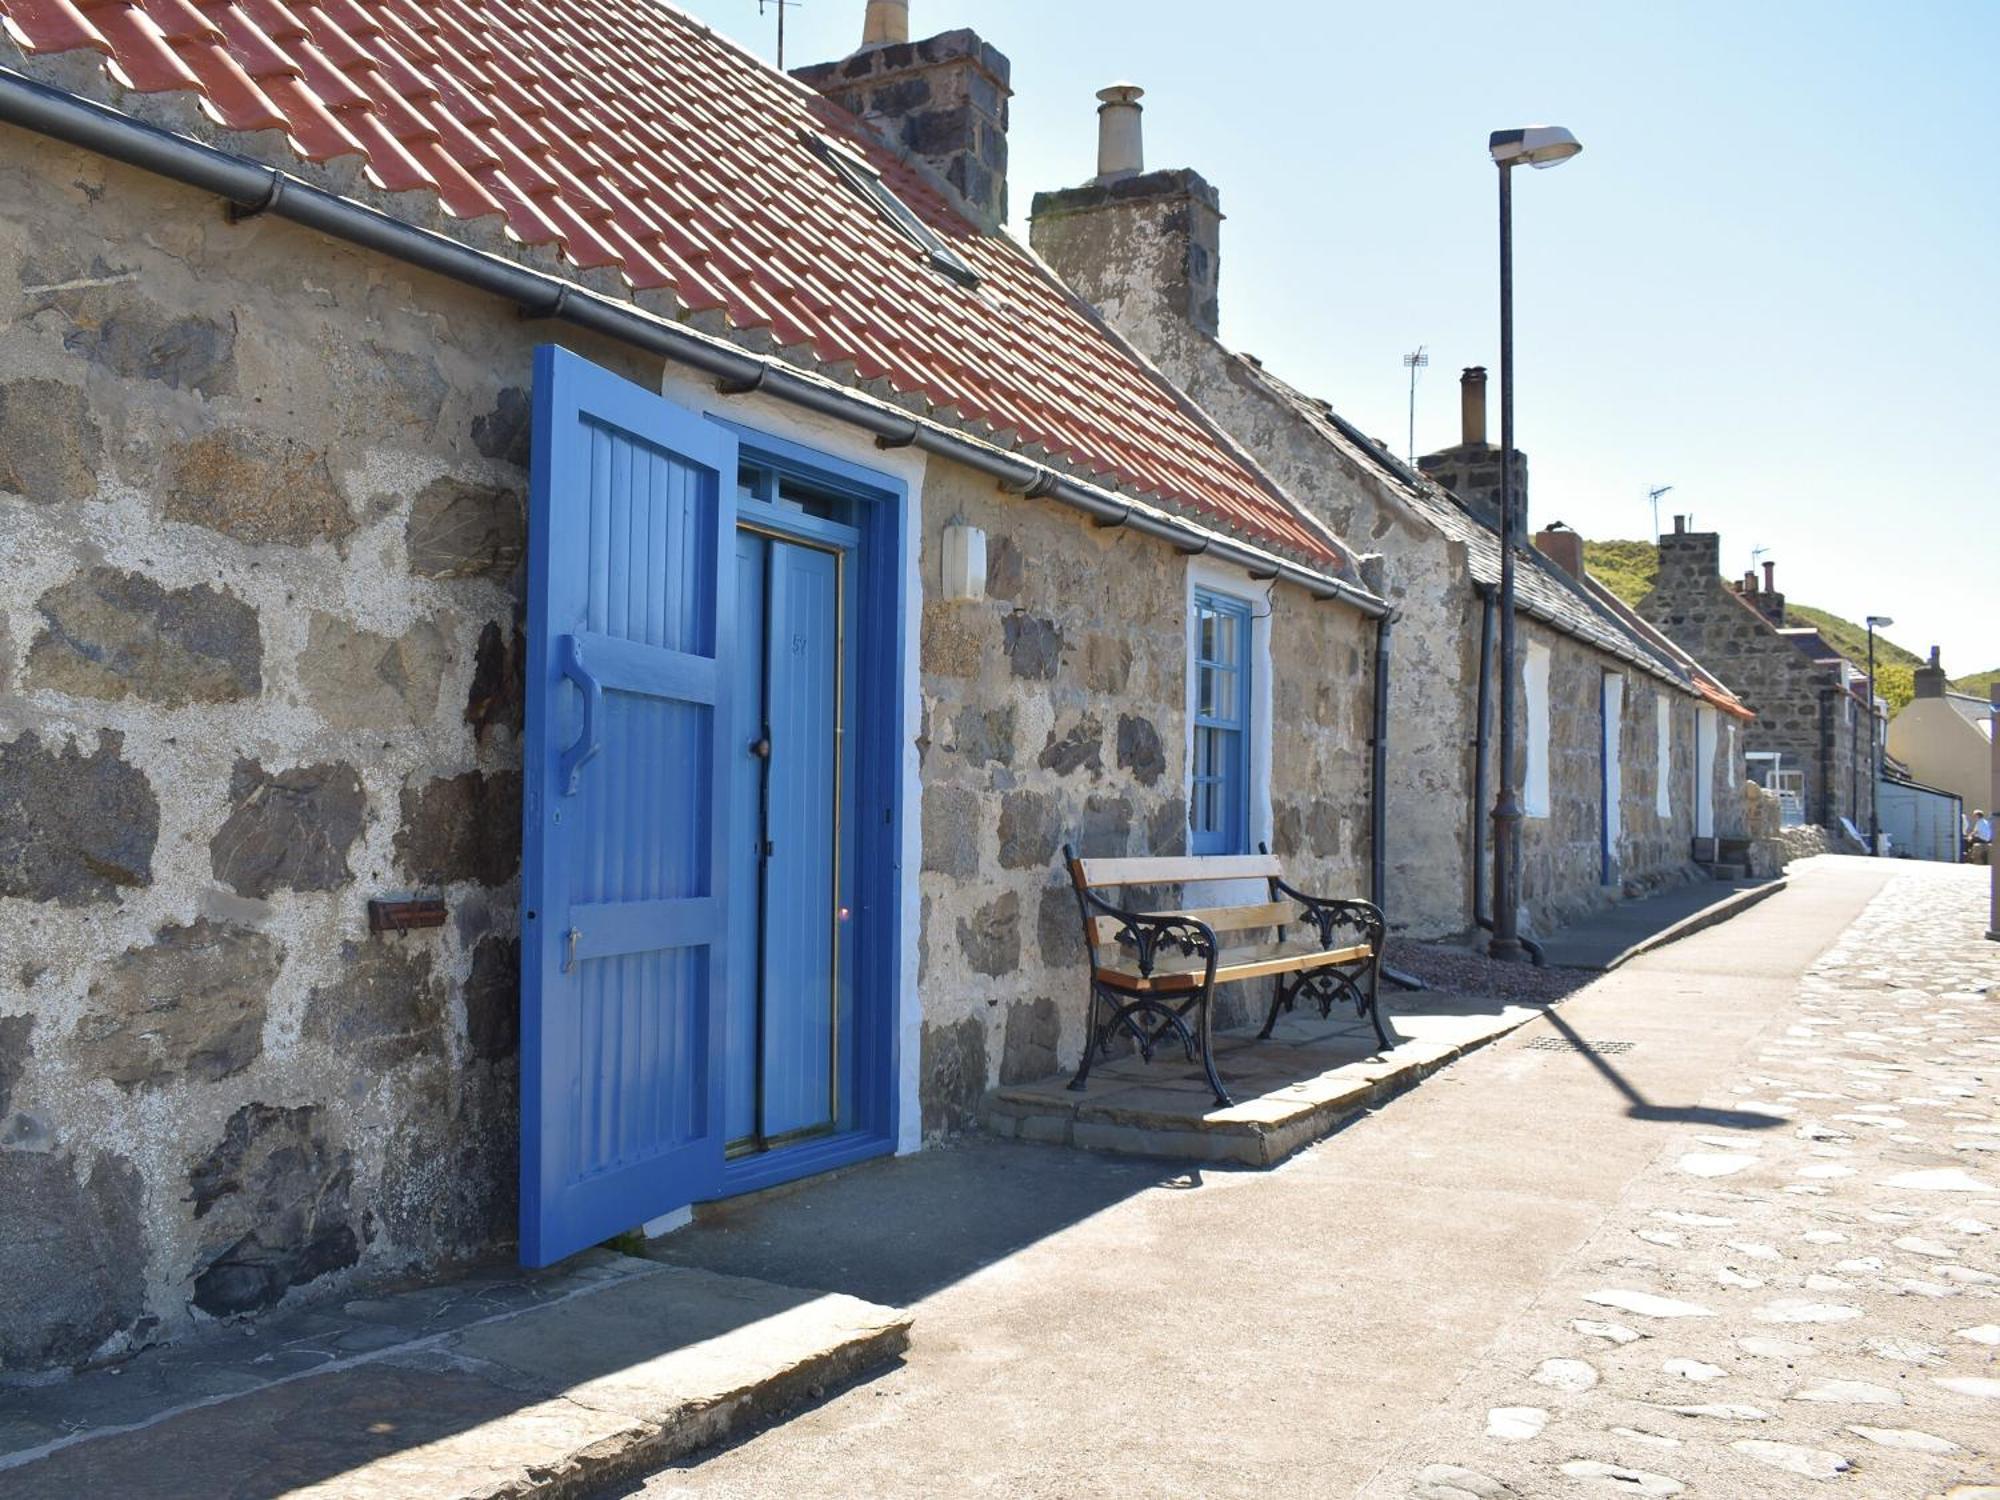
(1654, 496)
(1413, 363)
(781, 6)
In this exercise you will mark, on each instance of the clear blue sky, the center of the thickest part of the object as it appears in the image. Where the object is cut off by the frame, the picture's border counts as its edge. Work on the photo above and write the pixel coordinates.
(1769, 281)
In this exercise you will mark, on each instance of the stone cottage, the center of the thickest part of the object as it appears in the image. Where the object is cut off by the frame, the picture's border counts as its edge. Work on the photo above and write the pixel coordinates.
(1630, 753)
(422, 427)
(1812, 742)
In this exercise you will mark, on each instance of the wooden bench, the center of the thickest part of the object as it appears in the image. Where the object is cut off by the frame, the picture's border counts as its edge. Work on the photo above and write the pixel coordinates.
(1150, 969)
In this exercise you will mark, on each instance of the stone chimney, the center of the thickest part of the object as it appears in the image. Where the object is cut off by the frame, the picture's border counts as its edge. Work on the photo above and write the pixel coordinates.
(1144, 248)
(943, 100)
(1562, 547)
(1690, 579)
(1767, 601)
(1930, 679)
(1471, 470)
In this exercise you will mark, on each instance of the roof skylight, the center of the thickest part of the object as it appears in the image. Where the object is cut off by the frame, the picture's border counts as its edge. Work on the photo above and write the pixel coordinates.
(867, 183)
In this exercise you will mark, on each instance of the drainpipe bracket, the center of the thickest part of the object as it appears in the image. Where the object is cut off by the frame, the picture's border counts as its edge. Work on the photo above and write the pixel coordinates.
(745, 387)
(238, 212)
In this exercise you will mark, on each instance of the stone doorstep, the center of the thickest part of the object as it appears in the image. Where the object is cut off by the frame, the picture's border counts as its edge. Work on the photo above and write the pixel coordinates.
(609, 1383)
(1130, 1114)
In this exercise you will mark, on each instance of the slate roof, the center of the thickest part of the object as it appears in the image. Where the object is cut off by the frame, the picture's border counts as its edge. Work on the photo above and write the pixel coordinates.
(631, 138)
(1542, 589)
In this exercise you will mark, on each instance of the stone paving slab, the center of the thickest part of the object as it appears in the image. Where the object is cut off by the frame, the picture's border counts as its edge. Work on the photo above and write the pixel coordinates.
(1312, 1077)
(605, 1370)
(1808, 1308)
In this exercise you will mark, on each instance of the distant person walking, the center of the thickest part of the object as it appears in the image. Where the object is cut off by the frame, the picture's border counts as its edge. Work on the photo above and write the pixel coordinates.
(1979, 842)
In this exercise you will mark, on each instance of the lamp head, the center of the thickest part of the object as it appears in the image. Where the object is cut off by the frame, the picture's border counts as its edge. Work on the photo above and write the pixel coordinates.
(1533, 145)
(1879, 622)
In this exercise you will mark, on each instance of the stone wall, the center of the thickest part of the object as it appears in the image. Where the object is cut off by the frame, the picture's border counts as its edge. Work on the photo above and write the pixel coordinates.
(1157, 286)
(1055, 712)
(261, 516)
(261, 510)
(1800, 704)
(1562, 868)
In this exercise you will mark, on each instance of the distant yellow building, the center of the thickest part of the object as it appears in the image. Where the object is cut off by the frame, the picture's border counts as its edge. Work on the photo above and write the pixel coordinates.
(1946, 738)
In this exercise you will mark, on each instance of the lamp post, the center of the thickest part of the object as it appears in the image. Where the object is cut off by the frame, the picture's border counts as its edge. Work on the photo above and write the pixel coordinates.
(1875, 623)
(1534, 146)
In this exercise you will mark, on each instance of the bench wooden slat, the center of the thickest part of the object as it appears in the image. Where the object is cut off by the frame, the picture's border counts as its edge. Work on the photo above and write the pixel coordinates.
(1179, 971)
(1176, 870)
(1220, 918)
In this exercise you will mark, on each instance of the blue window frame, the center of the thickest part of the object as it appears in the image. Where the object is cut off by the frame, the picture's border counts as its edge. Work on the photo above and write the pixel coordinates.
(1219, 781)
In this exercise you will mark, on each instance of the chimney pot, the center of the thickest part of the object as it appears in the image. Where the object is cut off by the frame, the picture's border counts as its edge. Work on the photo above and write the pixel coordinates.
(1770, 574)
(1562, 547)
(1680, 525)
(1121, 144)
(1472, 406)
(887, 23)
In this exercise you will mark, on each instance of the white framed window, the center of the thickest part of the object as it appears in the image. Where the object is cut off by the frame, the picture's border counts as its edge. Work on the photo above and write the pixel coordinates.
(1219, 769)
(1228, 711)
(1535, 696)
(1663, 785)
(1611, 705)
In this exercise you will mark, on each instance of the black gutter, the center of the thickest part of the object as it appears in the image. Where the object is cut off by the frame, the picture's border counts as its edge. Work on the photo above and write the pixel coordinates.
(254, 189)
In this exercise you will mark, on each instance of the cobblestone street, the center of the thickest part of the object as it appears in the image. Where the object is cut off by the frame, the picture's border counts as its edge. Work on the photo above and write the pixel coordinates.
(1748, 1249)
(1769, 1309)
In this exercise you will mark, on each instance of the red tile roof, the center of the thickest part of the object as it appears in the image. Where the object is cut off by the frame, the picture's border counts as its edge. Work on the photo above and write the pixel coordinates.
(632, 137)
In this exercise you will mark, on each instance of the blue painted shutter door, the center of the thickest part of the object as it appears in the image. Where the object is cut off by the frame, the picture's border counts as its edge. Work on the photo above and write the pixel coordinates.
(799, 872)
(625, 878)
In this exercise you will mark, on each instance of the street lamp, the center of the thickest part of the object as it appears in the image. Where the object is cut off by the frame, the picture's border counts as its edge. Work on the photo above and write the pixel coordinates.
(1534, 146)
(1875, 623)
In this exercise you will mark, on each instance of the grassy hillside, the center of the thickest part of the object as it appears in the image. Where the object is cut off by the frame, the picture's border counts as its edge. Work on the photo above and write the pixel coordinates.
(1628, 570)
(1978, 684)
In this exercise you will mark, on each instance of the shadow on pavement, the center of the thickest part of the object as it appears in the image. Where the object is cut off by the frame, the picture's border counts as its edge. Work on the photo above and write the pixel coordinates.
(1665, 1114)
(898, 1230)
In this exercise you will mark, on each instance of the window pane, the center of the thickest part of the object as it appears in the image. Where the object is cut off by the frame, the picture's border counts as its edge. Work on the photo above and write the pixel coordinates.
(1205, 633)
(1225, 639)
(1204, 806)
(1204, 752)
(1222, 696)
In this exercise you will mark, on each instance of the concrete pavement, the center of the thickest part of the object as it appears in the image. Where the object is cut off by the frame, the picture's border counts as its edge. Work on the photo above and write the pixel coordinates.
(493, 1386)
(1093, 1327)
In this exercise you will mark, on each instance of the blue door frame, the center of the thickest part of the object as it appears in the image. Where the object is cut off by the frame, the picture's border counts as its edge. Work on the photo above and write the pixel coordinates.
(628, 944)
(877, 600)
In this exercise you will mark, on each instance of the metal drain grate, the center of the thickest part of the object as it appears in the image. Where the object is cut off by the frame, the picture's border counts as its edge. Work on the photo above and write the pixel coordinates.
(1564, 1044)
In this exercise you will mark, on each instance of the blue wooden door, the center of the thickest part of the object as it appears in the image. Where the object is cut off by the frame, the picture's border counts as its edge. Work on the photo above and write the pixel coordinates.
(626, 864)
(784, 799)
(801, 654)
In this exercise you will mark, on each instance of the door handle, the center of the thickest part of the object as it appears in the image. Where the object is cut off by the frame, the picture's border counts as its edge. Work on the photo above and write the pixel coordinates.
(587, 745)
(761, 746)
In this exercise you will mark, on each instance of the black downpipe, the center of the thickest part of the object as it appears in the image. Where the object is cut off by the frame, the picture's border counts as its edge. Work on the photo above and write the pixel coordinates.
(1378, 796)
(1480, 738)
(1378, 773)
(1481, 918)
(251, 188)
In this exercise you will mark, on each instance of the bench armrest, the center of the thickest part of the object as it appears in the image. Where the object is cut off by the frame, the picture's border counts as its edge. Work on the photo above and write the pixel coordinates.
(1330, 916)
(1148, 934)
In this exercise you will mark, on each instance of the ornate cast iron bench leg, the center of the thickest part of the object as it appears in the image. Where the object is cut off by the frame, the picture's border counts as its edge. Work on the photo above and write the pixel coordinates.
(1222, 1099)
